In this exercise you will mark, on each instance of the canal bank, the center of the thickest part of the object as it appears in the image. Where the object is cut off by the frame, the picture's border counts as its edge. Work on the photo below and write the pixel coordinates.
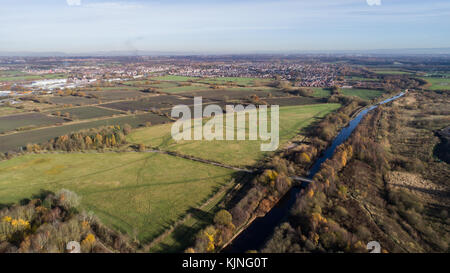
(258, 231)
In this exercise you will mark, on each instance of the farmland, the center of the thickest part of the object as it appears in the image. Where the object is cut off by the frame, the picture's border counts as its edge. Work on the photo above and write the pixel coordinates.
(12, 142)
(87, 112)
(6, 110)
(139, 193)
(117, 93)
(233, 94)
(239, 153)
(72, 100)
(163, 101)
(26, 121)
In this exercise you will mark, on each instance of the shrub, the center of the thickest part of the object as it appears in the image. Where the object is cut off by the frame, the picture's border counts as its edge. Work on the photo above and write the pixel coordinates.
(126, 129)
(341, 211)
(223, 217)
(363, 232)
(67, 199)
(88, 242)
(304, 158)
(141, 147)
(239, 215)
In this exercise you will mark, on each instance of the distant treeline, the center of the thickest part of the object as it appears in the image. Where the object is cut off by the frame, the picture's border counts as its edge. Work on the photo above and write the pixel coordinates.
(103, 137)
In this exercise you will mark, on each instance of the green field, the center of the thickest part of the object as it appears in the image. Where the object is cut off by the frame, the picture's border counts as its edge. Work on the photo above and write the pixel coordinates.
(354, 78)
(235, 80)
(365, 94)
(218, 80)
(181, 89)
(163, 85)
(27, 77)
(174, 243)
(438, 83)
(175, 78)
(140, 193)
(238, 153)
(4, 73)
(390, 71)
(321, 92)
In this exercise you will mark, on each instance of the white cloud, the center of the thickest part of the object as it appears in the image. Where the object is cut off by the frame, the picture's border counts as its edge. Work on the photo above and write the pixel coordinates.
(73, 2)
(374, 2)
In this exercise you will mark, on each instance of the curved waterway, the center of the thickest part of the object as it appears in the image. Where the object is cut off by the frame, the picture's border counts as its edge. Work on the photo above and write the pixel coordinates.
(258, 232)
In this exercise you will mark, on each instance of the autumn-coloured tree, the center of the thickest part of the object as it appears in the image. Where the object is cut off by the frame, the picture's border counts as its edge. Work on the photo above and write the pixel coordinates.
(126, 129)
(304, 158)
(210, 234)
(88, 242)
(113, 140)
(88, 141)
(29, 147)
(264, 206)
(141, 147)
(98, 140)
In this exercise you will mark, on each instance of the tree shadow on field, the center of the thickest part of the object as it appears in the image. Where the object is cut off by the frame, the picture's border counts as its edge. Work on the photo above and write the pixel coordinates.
(200, 215)
(184, 237)
(41, 195)
(6, 205)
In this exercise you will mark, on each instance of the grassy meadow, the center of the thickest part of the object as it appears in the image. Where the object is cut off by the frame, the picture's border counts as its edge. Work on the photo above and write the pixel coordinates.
(365, 94)
(235, 152)
(174, 78)
(438, 83)
(187, 88)
(218, 80)
(391, 71)
(29, 77)
(139, 193)
(235, 80)
(321, 92)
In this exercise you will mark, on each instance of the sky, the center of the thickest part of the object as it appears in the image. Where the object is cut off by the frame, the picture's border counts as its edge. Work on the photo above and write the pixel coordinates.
(222, 26)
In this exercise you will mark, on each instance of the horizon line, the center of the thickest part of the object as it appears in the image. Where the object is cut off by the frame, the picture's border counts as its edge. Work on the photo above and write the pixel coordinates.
(143, 52)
